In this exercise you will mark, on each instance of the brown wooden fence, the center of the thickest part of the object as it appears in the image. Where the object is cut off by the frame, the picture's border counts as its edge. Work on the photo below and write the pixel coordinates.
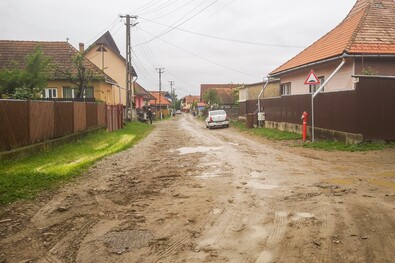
(28, 122)
(114, 117)
(368, 110)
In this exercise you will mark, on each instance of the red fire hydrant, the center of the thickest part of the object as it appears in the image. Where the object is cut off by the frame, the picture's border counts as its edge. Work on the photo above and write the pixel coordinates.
(304, 117)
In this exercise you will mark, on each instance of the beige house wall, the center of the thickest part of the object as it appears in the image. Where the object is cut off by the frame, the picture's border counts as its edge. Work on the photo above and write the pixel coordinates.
(102, 91)
(272, 90)
(341, 81)
(114, 66)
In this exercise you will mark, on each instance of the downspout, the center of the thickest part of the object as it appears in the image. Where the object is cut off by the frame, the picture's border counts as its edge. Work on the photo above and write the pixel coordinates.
(318, 91)
(260, 94)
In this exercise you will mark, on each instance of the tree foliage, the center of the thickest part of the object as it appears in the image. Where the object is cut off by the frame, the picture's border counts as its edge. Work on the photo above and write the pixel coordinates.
(28, 82)
(83, 76)
(211, 97)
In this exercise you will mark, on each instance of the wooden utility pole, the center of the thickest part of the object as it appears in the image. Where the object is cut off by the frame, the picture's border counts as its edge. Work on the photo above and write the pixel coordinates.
(172, 97)
(129, 75)
(160, 71)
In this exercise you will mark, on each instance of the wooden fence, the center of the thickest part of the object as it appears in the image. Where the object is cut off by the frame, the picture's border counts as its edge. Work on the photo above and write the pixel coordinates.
(27, 122)
(114, 117)
(368, 110)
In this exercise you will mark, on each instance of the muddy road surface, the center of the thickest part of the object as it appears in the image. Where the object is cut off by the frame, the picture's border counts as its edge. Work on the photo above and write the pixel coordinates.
(189, 194)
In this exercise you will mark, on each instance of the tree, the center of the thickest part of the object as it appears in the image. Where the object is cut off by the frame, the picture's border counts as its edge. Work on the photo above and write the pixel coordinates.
(211, 97)
(83, 76)
(27, 83)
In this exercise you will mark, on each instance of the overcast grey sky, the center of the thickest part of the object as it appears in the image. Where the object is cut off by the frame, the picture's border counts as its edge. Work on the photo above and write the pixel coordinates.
(196, 41)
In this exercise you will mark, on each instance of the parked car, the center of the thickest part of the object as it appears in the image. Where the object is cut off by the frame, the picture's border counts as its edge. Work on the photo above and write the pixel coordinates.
(217, 118)
(178, 111)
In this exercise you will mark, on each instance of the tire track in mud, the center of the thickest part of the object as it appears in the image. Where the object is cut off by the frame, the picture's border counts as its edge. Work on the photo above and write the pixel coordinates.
(69, 245)
(179, 240)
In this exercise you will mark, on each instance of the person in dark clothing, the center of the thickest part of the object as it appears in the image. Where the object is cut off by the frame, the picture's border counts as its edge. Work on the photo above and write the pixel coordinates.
(149, 115)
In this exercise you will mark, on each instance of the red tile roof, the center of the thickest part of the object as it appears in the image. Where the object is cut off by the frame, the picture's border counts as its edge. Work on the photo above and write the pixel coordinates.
(191, 99)
(163, 99)
(369, 28)
(60, 53)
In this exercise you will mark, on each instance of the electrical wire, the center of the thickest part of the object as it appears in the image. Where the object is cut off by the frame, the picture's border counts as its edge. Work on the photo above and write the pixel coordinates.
(174, 26)
(203, 58)
(103, 31)
(224, 39)
(159, 8)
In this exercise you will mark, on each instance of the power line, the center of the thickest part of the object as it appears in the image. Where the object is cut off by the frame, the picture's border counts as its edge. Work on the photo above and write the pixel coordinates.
(174, 27)
(224, 39)
(203, 58)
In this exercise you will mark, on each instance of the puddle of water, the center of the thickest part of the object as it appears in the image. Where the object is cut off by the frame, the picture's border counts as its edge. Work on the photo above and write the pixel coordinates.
(302, 215)
(207, 175)
(282, 214)
(199, 149)
(234, 144)
(305, 215)
(255, 174)
(264, 257)
(340, 181)
(217, 211)
(260, 186)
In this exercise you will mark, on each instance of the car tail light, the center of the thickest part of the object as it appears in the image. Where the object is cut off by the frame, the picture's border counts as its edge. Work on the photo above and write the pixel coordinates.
(211, 119)
(226, 117)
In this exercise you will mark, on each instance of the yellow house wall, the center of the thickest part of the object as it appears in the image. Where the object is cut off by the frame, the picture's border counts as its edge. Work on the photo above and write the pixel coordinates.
(114, 66)
(102, 91)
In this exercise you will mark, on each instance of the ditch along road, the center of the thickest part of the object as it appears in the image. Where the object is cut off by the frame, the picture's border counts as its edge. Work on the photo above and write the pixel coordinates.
(189, 194)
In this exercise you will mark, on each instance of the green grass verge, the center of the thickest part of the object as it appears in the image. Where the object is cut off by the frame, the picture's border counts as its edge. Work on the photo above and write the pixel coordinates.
(267, 133)
(318, 145)
(23, 179)
(338, 146)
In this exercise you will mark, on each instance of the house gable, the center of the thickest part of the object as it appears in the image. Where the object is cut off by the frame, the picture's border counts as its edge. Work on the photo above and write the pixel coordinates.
(368, 29)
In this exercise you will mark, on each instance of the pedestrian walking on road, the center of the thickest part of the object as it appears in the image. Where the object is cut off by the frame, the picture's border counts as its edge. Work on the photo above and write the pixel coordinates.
(149, 115)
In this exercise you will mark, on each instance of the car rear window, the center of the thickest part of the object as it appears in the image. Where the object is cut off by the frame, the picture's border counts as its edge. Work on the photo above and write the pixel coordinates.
(219, 112)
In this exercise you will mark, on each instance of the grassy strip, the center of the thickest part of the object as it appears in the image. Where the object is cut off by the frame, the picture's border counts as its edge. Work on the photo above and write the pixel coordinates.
(318, 145)
(267, 133)
(23, 179)
(338, 146)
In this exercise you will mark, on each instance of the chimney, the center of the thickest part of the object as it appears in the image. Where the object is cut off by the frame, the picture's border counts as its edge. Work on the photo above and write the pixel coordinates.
(82, 49)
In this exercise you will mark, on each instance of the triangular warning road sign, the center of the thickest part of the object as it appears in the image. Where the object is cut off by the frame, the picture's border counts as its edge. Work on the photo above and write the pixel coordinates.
(312, 78)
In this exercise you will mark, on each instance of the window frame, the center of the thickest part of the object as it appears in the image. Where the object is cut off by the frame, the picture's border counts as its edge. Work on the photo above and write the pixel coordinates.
(286, 88)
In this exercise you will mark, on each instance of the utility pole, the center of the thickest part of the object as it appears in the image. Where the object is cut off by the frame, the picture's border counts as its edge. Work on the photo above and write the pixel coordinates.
(172, 97)
(129, 76)
(160, 71)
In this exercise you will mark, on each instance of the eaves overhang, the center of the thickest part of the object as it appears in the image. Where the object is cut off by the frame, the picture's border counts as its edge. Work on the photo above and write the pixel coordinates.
(328, 60)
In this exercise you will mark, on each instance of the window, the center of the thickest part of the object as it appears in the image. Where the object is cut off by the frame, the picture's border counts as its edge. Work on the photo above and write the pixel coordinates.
(314, 87)
(50, 93)
(68, 92)
(89, 93)
(286, 88)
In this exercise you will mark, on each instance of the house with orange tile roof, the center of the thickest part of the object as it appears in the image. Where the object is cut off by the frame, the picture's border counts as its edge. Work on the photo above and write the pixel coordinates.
(161, 102)
(226, 92)
(355, 66)
(365, 40)
(61, 55)
(188, 101)
(142, 97)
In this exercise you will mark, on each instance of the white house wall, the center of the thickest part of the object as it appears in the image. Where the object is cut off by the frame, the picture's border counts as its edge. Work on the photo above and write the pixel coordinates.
(341, 81)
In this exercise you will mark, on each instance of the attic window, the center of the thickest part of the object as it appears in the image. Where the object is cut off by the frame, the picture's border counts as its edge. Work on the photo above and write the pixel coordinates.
(379, 5)
(101, 49)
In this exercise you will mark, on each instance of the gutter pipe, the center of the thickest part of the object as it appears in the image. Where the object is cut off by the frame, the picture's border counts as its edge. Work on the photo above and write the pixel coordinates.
(260, 94)
(313, 95)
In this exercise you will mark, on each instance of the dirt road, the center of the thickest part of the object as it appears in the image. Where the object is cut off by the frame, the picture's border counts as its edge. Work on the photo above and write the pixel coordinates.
(188, 194)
